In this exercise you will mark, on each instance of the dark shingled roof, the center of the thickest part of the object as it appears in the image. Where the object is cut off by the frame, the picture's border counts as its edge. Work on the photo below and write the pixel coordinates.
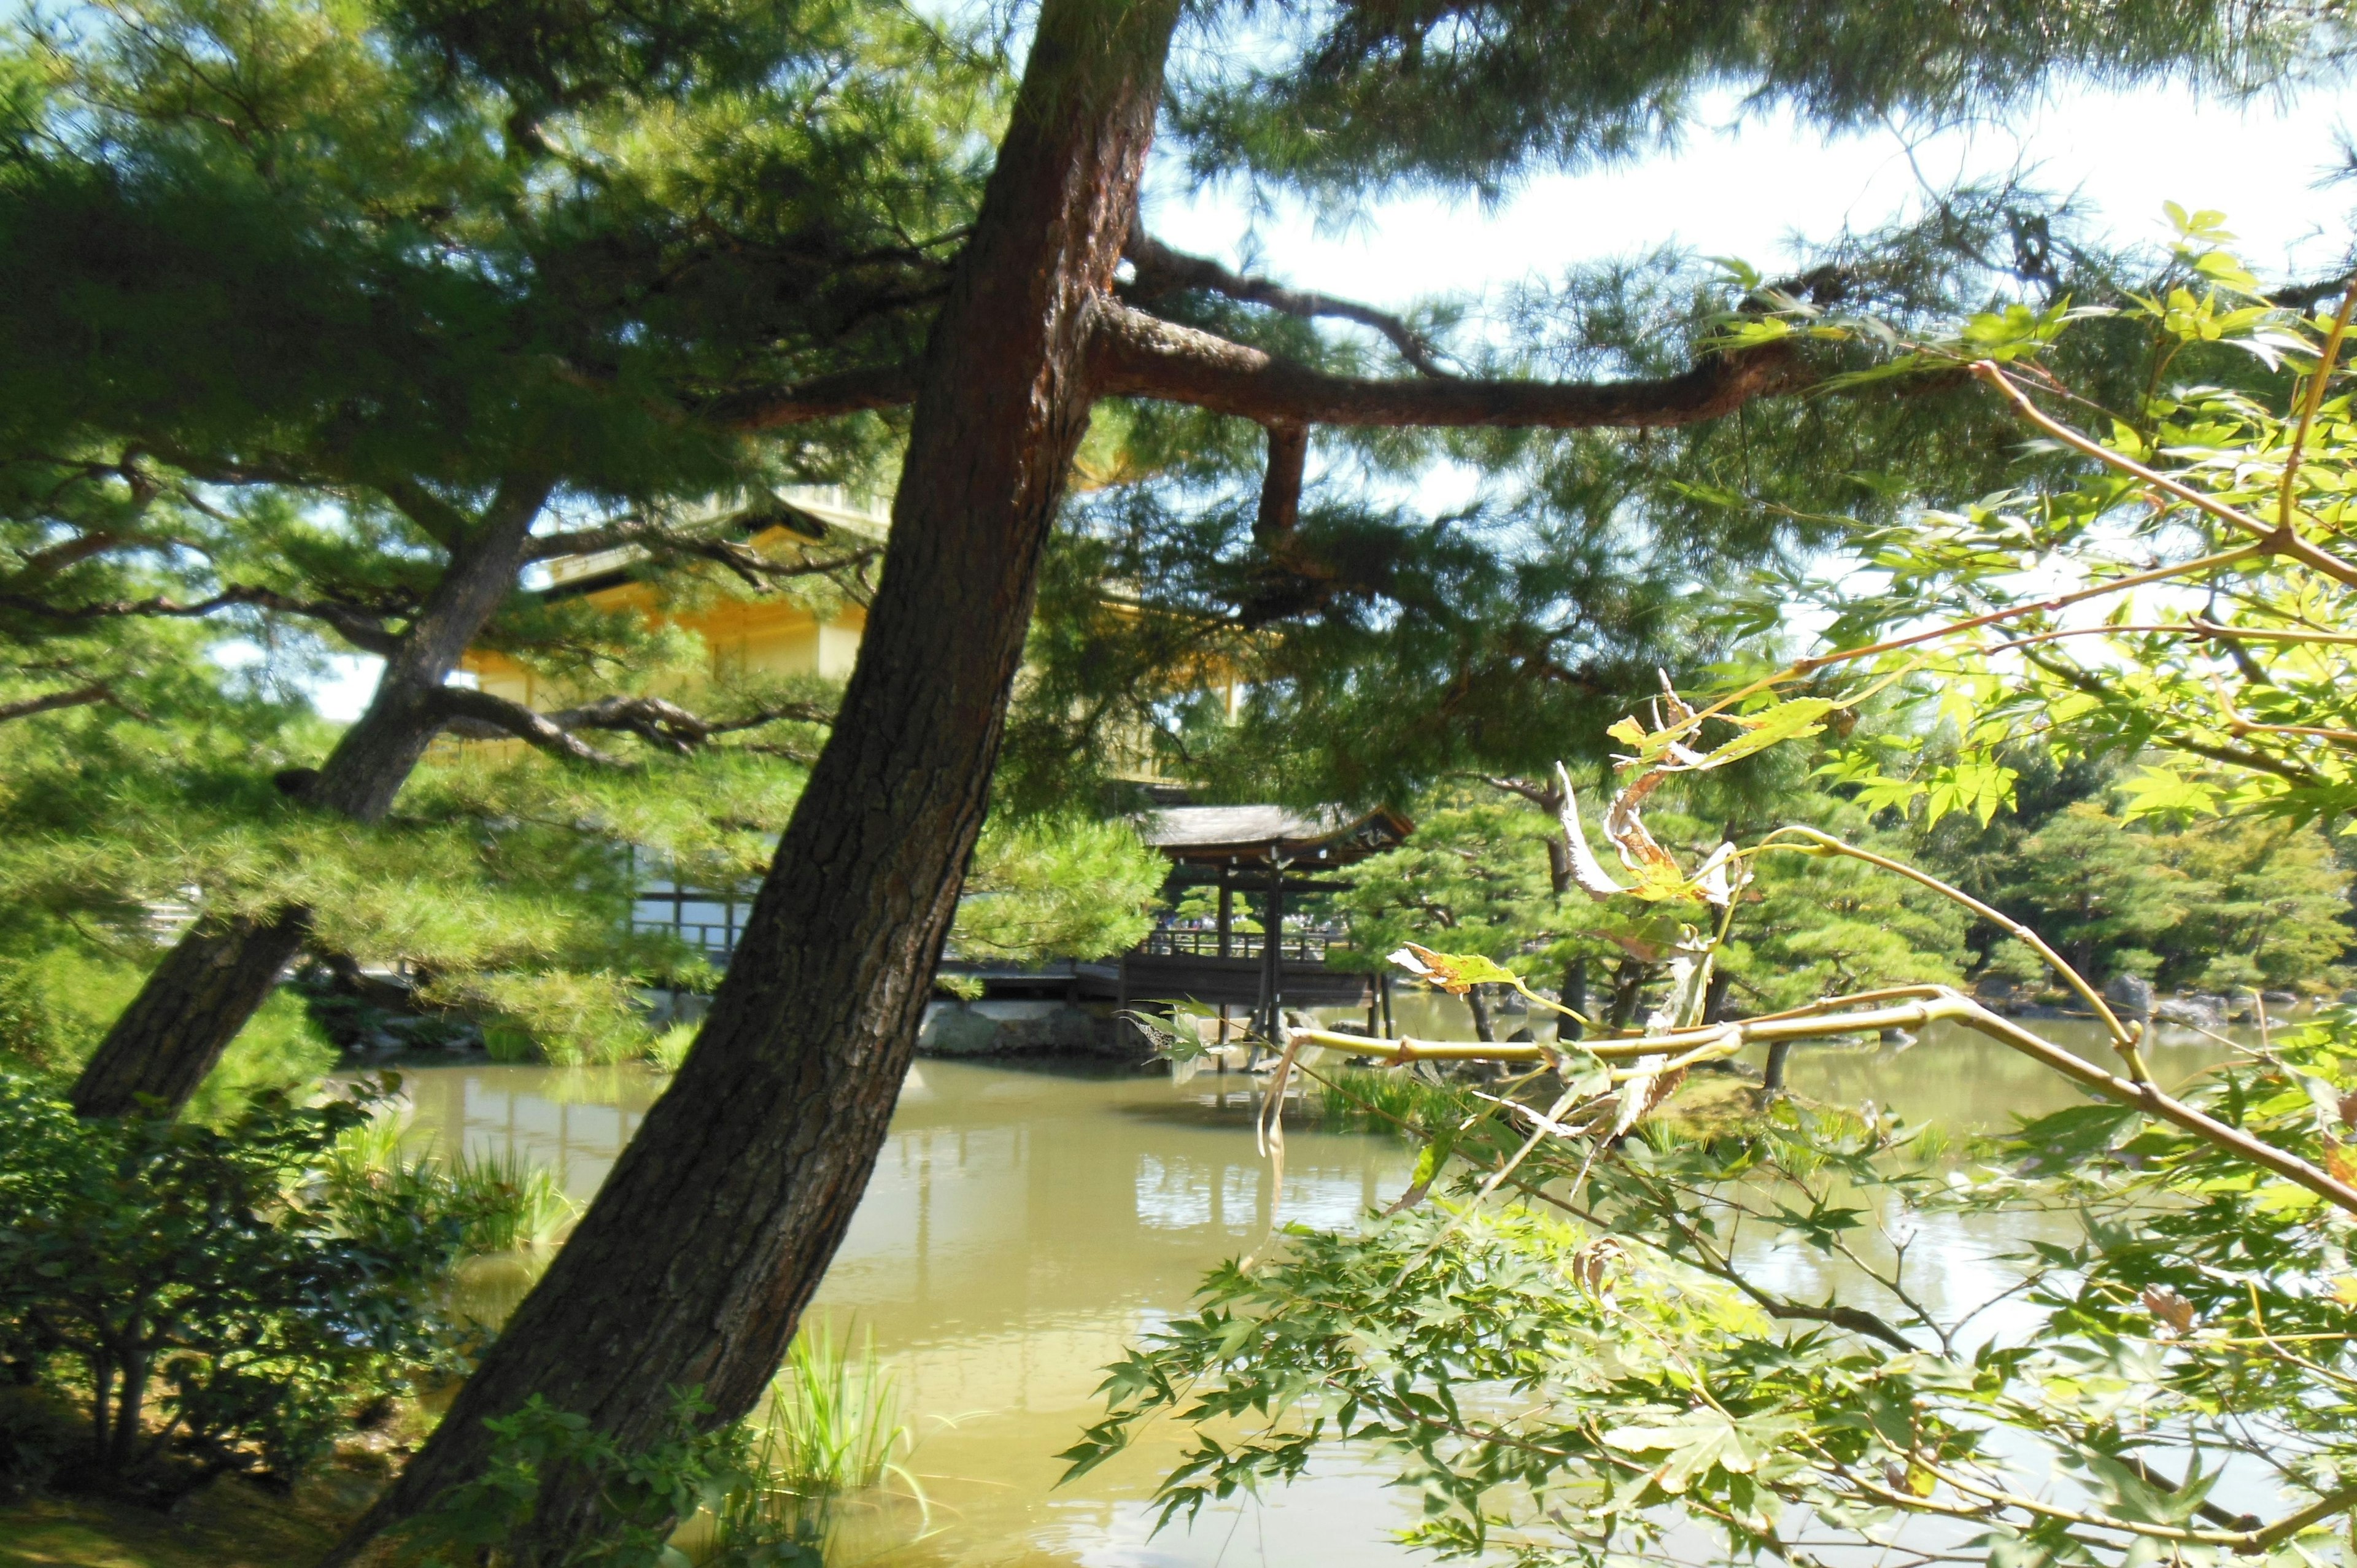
(1215, 834)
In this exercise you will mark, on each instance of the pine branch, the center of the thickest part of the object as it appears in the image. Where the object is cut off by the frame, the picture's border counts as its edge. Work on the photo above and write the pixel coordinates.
(1547, 798)
(821, 397)
(474, 714)
(71, 552)
(444, 523)
(236, 470)
(758, 570)
(362, 627)
(1161, 270)
(1138, 355)
(1280, 487)
(80, 696)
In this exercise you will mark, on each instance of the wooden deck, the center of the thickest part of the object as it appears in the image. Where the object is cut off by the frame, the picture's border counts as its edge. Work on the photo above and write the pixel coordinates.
(1140, 977)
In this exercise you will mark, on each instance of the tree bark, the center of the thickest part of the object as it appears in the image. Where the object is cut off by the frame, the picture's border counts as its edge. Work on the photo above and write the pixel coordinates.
(223, 968)
(1574, 989)
(1714, 996)
(1478, 1003)
(1138, 355)
(693, 1264)
(1628, 987)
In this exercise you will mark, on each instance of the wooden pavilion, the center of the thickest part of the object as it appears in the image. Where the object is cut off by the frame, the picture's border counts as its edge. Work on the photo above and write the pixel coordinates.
(1273, 852)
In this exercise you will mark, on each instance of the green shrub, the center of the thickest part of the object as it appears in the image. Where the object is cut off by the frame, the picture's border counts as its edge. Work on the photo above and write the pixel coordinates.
(644, 1495)
(213, 1308)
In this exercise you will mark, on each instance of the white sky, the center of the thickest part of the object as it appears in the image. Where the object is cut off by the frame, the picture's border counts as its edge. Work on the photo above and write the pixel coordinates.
(1744, 190)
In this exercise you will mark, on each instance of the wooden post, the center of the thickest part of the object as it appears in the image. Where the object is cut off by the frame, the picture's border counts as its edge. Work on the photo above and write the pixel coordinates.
(1273, 947)
(1227, 926)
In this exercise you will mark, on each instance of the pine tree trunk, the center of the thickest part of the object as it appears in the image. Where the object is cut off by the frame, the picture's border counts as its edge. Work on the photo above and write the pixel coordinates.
(1628, 989)
(1477, 1004)
(693, 1266)
(1575, 992)
(1714, 996)
(197, 1000)
(192, 1005)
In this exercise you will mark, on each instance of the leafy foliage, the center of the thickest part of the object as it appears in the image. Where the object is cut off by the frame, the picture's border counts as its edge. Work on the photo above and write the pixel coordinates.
(641, 1495)
(219, 1314)
(2116, 1334)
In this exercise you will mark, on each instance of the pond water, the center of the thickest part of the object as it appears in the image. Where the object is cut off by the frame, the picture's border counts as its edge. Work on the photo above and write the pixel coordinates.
(1025, 1224)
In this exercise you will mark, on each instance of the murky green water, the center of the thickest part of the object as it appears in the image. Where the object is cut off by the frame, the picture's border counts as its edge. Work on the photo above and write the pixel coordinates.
(1025, 1224)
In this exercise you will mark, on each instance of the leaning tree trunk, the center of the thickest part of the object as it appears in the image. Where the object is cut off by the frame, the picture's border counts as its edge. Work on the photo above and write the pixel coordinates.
(223, 968)
(693, 1266)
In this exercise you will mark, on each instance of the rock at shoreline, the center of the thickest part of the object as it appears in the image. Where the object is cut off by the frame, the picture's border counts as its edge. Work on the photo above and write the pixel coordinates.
(2193, 1011)
(2130, 996)
(992, 1028)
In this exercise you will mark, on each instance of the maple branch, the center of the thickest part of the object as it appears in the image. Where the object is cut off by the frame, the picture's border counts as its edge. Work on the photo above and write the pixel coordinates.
(2282, 540)
(2232, 755)
(1934, 1003)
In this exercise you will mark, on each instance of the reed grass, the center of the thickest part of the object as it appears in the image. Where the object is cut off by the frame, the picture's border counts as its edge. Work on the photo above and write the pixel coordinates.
(502, 1201)
(370, 1145)
(1358, 1099)
(668, 1049)
(510, 1202)
(832, 1431)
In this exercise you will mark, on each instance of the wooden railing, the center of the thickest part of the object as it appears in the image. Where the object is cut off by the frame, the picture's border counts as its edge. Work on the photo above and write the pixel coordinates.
(1301, 944)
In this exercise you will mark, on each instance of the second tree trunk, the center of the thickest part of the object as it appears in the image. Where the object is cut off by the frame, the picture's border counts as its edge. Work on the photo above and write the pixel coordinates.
(693, 1266)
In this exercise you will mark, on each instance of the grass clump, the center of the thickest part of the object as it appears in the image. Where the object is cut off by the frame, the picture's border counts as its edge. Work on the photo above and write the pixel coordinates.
(1359, 1100)
(668, 1049)
(832, 1430)
(500, 1202)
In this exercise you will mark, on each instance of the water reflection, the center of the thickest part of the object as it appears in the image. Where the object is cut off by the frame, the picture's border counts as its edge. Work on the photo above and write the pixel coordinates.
(1022, 1229)
(1960, 1079)
(1025, 1226)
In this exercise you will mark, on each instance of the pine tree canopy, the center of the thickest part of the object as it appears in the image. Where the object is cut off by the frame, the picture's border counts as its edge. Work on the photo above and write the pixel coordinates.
(1469, 94)
(330, 321)
(272, 256)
